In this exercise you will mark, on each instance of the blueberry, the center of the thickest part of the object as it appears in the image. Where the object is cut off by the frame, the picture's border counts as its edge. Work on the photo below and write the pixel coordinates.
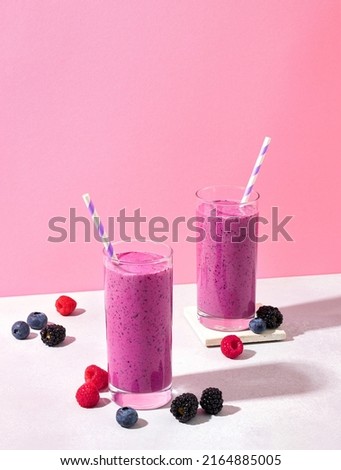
(37, 320)
(257, 325)
(126, 417)
(20, 330)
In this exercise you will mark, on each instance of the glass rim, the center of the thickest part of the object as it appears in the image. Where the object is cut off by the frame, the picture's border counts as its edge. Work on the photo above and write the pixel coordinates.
(254, 195)
(163, 258)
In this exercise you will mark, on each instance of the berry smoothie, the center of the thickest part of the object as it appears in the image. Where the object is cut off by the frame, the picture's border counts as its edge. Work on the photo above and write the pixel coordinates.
(226, 265)
(138, 304)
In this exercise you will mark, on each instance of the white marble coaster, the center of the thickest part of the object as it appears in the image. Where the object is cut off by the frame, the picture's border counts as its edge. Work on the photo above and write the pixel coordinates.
(213, 338)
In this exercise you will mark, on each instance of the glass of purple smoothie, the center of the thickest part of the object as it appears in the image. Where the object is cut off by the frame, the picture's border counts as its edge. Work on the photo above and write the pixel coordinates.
(226, 257)
(138, 304)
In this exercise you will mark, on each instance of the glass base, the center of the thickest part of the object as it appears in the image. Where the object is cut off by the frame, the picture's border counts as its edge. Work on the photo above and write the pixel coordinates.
(223, 324)
(141, 401)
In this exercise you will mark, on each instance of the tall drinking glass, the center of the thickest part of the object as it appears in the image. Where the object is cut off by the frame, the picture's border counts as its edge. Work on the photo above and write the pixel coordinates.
(138, 304)
(226, 257)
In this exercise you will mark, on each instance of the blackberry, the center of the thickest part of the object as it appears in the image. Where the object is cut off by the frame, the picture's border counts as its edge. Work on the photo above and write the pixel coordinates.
(184, 407)
(211, 400)
(271, 315)
(52, 335)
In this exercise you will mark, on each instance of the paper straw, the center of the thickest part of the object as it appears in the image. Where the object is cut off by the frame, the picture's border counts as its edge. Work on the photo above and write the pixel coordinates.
(99, 226)
(256, 169)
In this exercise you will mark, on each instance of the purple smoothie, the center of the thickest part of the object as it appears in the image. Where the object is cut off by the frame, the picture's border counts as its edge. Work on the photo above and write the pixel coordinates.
(226, 269)
(138, 304)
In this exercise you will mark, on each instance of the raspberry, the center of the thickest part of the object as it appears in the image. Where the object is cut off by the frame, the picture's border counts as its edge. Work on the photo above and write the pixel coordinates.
(231, 346)
(184, 407)
(97, 377)
(65, 305)
(211, 400)
(87, 395)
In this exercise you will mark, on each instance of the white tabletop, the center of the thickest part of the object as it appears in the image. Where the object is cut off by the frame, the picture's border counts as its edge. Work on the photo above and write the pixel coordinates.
(283, 395)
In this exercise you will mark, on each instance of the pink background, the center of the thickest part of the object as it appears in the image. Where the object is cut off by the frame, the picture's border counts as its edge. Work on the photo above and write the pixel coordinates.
(142, 102)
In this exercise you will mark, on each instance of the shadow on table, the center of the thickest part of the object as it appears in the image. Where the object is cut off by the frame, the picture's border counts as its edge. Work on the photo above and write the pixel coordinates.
(252, 382)
(68, 340)
(301, 318)
(77, 312)
(247, 354)
(202, 417)
(103, 401)
(141, 423)
(32, 335)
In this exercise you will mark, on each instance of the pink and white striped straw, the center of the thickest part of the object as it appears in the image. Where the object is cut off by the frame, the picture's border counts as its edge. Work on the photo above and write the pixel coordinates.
(256, 169)
(99, 226)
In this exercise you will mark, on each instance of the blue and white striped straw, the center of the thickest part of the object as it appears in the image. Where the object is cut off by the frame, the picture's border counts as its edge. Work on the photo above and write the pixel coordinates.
(256, 169)
(99, 226)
